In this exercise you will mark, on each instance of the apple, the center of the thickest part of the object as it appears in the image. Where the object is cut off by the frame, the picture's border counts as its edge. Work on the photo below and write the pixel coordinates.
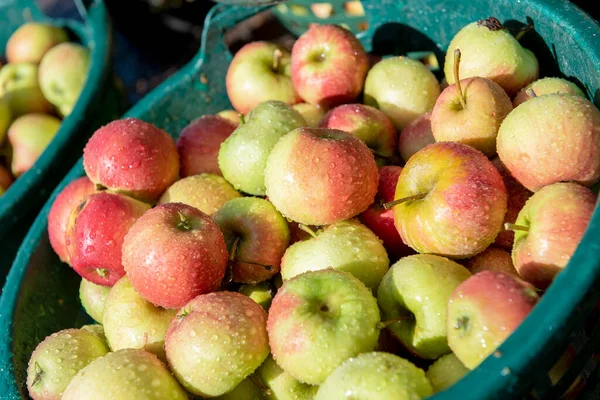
(329, 66)
(262, 293)
(368, 124)
(230, 115)
(62, 75)
(415, 136)
(29, 135)
(321, 176)
(470, 111)
(58, 358)
(123, 375)
(130, 322)
(174, 253)
(62, 207)
(445, 372)
(132, 157)
(97, 330)
(5, 119)
(311, 113)
(243, 155)
(6, 179)
(318, 320)
(206, 192)
(549, 229)
(483, 311)
(21, 91)
(95, 232)
(256, 235)
(347, 246)
(199, 142)
(544, 86)
(93, 297)
(413, 93)
(493, 259)
(282, 386)
(381, 221)
(246, 390)
(552, 138)
(413, 296)
(450, 201)
(32, 40)
(259, 72)
(491, 51)
(216, 341)
(376, 376)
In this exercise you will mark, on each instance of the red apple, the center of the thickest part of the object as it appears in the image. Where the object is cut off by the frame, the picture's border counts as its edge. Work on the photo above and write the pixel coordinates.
(174, 253)
(415, 136)
(132, 157)
(199, 142)
(95, 232)
(492, 259)
(329, 66)
(380, 220)
(69, 198)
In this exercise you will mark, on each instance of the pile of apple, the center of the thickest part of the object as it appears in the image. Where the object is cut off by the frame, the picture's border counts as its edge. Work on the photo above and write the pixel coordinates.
(251, 258)
(39, 86)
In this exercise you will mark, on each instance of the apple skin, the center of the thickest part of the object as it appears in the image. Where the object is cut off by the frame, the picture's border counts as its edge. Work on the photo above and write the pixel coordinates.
(547, 86)
(401, 293)
(318, 320)
(95, 232)
(445, 372)
(493, 259)
(123, 375)
(261, 233)
(557, 217)
(231, 116)
(414, 92)
(491, 51)
(206, 192)
(31, 41)
(97, 330)
(368, 124)
(415, 136)
(311, 113)
(216, 341)
(62, 207)
(346, 246)
(552, 138)
(321, 176)
(246, 390)
(282, 386)
(133, 157)
(252, 80)
(58, 358)
(199, 142)
(376, 376)
(92, 298)
(381, 221)
(262, 293)
(465, 201)
(477, 124)
(21, 91)
(130, 322)
(329, 66)
(483, 311)
(6, 179)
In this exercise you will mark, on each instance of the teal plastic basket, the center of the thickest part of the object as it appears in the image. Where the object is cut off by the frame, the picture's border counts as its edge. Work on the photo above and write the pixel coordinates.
(98, 103)
(41, 294)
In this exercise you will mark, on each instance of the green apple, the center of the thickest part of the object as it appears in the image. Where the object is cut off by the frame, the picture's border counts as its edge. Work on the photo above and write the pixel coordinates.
(282, 386)
(262, 293)
(125, 375)
(32, 40)
(206, 192)
(546, 86)
(92, 298)
(445, 372)
(20, 89)
(62, 75)
(243, 155)
(130, 322)
(97, 330)
(246, 390)
(347, 246)
(318, 320)
(5, 119)
(57, 359)
(415, 292)
(412, 94)
(376, 376)
(311, 113)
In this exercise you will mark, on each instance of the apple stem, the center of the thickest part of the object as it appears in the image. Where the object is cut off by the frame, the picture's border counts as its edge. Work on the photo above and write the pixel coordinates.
(277, 54)
(259, 384)
(394, 203)
(307, 229)
(233, 249)
(531, 93)
(183, 223)
(523, 31)
(98, 187)
(385, 324)
(514, 227)
(265, 266)
(242, 119)
(39, 374)
(463, 102)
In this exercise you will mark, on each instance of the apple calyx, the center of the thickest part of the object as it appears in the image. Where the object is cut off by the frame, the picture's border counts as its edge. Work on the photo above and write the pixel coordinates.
(277, 54)
(514, 227)
(39, 374)
(463, 101)
(102, 272)
(308, 230)
(394, 203)
(463, 324)
(492, 23)
(384, 324)
(523, 31)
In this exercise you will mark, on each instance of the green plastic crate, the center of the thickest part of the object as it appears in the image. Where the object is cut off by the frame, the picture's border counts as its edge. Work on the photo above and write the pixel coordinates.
(41, 294)
(23, 200)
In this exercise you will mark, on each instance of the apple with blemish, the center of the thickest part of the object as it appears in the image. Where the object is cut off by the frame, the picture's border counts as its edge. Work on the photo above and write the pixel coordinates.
(492, 259)
(544, 86)
(92, 298)
(20, 89)
(311, 113)
(32, 40)
(415, 136)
